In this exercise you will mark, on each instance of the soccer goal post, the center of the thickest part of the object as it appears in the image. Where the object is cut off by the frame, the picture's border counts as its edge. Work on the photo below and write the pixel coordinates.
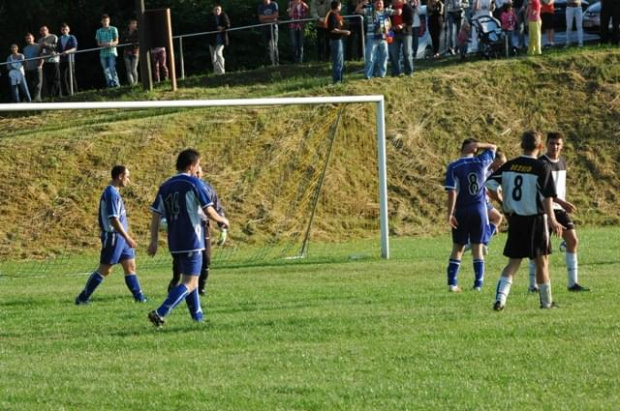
(378, 100)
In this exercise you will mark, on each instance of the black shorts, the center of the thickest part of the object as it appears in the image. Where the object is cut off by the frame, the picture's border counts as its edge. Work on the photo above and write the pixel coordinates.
(564, 218)
(528, 237)
(547, 21)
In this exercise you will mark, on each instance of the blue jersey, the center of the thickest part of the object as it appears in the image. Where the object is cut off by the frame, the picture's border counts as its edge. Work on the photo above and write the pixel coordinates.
(466, 176)
(111, 205)
(181, 200)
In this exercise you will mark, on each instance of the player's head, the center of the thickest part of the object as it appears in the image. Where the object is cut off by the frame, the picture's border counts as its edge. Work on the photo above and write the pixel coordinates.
(531, 141)
(335, 5)
(120, 174)
(188, 161)
(555, 143)
(466, 146)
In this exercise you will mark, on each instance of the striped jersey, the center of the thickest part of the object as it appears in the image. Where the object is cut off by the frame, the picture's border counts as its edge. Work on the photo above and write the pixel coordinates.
(525, 182)
(466, 176)
(111, 205)
(558, 170)
(181, 200)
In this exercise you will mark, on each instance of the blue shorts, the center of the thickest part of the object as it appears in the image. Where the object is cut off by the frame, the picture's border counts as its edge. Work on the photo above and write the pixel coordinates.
(188, 263)
(114, 249)
(472, 223)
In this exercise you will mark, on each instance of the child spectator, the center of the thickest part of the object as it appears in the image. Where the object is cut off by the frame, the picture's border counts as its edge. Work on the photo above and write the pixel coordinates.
(534, 26)
(17, 75)
(462, 39)
(509, 25)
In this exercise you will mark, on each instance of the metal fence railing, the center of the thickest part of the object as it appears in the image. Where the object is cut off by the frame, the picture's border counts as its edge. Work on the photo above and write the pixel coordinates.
(181, 51)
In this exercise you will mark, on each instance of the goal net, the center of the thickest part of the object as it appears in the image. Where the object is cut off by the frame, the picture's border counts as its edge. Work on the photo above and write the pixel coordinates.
(301, 179)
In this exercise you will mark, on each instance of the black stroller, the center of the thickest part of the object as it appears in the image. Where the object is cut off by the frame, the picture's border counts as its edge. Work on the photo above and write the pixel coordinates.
(491, 37)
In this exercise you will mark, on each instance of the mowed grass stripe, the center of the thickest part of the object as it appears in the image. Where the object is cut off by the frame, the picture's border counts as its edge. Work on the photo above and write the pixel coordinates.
(364, 335)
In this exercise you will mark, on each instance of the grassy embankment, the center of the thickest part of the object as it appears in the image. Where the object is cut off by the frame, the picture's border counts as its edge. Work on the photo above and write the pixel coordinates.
(53, 165)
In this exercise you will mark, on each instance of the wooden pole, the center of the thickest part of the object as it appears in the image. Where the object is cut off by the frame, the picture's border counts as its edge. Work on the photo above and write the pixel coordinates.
(145, 61)
(171, 66)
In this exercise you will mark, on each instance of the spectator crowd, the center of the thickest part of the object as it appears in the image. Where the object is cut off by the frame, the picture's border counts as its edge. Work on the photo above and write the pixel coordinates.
(389, 32)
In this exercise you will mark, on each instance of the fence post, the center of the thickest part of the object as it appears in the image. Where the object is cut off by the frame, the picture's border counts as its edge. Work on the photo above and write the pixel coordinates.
(181, 59)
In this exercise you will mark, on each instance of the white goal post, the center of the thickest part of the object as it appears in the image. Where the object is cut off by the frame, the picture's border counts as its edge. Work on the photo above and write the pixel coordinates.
(377, 99)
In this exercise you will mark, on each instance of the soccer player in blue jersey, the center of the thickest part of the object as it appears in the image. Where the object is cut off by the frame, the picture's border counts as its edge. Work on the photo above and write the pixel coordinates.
(184, 202)
(467, 210)
(527, 192)
(117, 246)
(206, 253)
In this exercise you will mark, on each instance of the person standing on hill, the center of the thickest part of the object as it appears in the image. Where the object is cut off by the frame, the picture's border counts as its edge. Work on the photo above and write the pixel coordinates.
(335, 28)
(48, 45)
(107, 37)
(527, 194)
(467, 210)
(34, 71)
(318, 11)
(561, 209)
(67, 46)
(218, 22)
(131, 52)
(183, 201)
(117, 246)
(534, 25)
(268, 12)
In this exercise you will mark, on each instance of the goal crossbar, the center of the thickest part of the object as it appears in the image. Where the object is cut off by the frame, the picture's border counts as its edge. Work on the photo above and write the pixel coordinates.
(378, 100)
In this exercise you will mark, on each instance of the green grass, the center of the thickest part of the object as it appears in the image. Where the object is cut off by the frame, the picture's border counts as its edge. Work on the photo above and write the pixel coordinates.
(360, 335)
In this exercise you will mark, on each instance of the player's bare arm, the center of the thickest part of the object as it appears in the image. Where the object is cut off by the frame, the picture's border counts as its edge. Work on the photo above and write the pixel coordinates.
(556, 227)
(451, 205)
(567, 206)
(213, 215)
(155, 219)
(119, 229)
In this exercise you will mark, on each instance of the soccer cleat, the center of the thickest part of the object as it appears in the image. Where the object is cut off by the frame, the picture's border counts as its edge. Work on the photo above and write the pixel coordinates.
(578, 288)
(78, 301)
(498, 306)
(477, 288)
(141, 298)
(202, 291)
(156, 319)
(563, 246)
(551, 306)
(454, 289)
(532, 290)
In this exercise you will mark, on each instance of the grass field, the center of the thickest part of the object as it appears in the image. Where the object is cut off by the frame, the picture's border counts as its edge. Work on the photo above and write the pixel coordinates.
(358, 335)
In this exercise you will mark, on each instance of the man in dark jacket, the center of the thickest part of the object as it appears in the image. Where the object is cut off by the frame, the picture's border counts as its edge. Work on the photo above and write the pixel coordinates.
(218, 21)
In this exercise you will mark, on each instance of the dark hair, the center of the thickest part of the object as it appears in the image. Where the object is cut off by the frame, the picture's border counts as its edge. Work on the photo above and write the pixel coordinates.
(335, 4)
(117, 171)
(468, 141)
(105, 16)
(63, 25)
(555, 135)
(29, 34)
(530, 140)
(187, 158)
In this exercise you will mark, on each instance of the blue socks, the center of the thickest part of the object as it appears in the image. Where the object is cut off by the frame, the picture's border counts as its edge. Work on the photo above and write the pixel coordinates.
(478, 273)
(193, 304)
(175, 296)
(91, 285)
(453, 271)
(134, 286)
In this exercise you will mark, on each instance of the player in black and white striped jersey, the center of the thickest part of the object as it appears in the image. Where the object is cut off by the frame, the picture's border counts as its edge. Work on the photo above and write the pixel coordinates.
(527, 192)
(562, 210)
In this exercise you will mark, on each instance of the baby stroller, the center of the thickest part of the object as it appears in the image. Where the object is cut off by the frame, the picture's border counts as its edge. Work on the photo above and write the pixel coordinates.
(491, 42)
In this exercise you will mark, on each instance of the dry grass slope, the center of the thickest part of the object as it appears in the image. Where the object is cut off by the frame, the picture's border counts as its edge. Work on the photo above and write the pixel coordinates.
(54, 165)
